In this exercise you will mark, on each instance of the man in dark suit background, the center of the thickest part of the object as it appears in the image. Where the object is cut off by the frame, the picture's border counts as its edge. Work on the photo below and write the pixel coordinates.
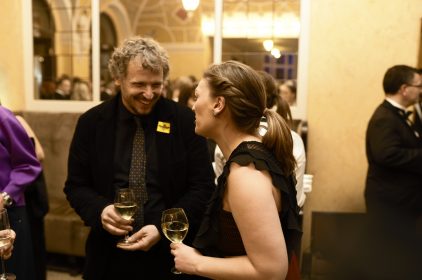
(63, 88)
(393, 192)
(178, 168)
(417, 111)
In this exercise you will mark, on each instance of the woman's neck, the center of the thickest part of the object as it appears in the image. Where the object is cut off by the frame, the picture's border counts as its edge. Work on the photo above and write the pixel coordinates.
(231, 138)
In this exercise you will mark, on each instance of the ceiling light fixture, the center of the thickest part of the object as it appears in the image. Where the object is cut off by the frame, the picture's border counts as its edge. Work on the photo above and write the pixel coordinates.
(276, 53)
(269, 43)
(190, 5)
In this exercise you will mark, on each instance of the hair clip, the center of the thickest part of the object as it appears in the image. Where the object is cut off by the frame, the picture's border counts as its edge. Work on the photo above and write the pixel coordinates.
(263, 127)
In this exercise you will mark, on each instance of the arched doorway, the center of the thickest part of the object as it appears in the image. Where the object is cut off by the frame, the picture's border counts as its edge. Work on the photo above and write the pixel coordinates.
(62, 49)
(44, 59)
(108, 41)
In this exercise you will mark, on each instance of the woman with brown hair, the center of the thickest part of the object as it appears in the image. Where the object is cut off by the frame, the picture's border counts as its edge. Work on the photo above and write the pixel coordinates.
(251, 223)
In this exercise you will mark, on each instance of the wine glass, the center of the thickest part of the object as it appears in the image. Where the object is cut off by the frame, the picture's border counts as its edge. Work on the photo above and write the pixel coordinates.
(175, 225)
(125, 204)
(5, 239)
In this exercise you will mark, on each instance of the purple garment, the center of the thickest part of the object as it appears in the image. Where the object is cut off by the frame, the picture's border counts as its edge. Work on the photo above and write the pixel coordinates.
(18, 163)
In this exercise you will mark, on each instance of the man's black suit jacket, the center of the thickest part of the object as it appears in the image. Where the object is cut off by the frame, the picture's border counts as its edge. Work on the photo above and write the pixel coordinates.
(394, 153)
(418, 120)
(185, 180)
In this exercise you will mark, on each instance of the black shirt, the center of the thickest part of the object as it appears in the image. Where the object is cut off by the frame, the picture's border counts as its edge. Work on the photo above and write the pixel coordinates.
(125, 132)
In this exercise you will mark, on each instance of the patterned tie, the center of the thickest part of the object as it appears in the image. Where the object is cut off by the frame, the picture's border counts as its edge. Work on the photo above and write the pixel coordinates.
(137, 174)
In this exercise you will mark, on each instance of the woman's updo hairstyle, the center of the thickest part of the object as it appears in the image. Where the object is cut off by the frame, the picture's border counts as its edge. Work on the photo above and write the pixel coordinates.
(245, 97)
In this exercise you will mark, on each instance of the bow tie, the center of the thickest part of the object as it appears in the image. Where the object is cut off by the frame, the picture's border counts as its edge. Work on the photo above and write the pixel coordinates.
(404, 114)
(409, 117)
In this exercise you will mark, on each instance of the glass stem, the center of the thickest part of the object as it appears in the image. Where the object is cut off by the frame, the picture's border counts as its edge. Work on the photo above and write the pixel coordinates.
(3, 270)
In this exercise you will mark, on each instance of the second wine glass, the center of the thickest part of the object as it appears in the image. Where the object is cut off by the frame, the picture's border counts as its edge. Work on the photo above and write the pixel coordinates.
(125, 204)
(175, 225)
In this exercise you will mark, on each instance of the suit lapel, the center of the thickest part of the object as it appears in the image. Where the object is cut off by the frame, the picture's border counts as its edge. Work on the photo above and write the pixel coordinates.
(396, 111)
(392, 108)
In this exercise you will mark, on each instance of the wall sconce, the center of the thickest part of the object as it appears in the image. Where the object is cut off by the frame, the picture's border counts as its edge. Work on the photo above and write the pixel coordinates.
(190, 5)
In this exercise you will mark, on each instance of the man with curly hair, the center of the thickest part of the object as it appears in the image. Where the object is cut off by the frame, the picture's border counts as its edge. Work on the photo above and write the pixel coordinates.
(174, 168)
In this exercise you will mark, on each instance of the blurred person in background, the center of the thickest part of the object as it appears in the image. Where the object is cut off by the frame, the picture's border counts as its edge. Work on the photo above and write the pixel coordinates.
(287, 91)
(19, 167)
(393, 192)
(277, 103)
(36, 200)
(63, 88)
(80, 90)
(417, 112)
(181, 84)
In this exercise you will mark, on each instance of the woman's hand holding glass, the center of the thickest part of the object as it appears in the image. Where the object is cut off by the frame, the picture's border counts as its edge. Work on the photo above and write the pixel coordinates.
(186, 259)
(175, 225)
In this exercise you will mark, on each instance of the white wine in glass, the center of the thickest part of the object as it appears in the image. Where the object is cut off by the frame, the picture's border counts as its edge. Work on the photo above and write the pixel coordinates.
(5, 239)
(175, 226)
(125, 205)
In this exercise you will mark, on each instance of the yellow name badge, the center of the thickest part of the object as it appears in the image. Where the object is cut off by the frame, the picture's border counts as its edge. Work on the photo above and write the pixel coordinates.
(163, 127)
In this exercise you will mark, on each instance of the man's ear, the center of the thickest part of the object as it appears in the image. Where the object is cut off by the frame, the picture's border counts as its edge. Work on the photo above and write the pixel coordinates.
(219, 105)
(117, 82)
(403, 88)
